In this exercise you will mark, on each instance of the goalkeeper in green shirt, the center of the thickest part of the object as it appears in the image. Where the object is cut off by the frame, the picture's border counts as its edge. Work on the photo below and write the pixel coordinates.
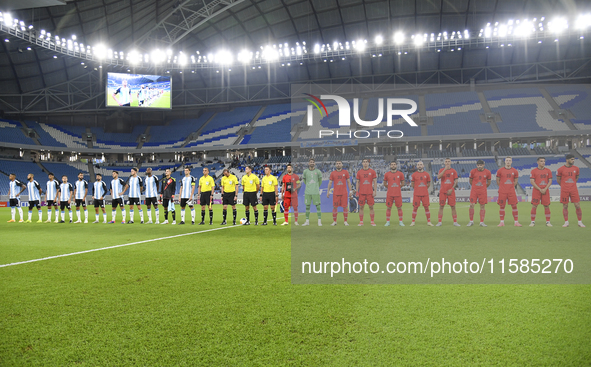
(312, 177)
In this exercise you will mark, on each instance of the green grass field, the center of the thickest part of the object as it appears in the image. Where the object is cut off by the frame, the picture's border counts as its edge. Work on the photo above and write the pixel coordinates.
(225, 297)
(162, 102)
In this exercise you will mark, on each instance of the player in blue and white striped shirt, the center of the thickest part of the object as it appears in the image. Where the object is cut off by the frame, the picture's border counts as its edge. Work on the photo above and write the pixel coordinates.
(135, 184)
(80, 197)
(35, 192)
(66, 193)
(151, 185)
(99, 190)
(51, 197)
(14, 194)
(117, 192)
(187, 192)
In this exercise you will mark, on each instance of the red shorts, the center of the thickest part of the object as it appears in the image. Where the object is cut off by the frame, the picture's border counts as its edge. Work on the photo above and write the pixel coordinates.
(451, 199)
(573, 195)
(394, 199)
(478, 197)
(366, 198)
(507, 198)
(340, 200)
(290, 202)
(537, 197)
(417, 200)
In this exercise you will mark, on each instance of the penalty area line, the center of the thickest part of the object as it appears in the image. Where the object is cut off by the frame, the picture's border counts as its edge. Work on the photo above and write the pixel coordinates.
(116, 246)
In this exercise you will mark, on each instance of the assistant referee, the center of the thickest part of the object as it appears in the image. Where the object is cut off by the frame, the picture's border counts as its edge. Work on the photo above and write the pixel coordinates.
(250, 184)
(269, 195)
(229, 194)
(206, 185)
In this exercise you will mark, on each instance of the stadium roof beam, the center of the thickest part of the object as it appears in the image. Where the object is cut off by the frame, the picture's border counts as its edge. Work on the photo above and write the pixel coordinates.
(169, 32)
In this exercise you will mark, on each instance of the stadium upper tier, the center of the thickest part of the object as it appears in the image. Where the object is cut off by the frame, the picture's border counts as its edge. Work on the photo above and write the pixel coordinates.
(10, 132)
(445, 113)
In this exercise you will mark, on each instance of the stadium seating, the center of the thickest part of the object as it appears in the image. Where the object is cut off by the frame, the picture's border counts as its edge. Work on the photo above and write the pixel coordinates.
(10, 132)
(523, 110)
(543, 150)
(21, 169)
(441, 153)
(275, 123)
(175, 133)
(104, 139)
(577, 99)
(223, 128)
(69, 169)
(477, 153)
(512, 151)
(455, 114)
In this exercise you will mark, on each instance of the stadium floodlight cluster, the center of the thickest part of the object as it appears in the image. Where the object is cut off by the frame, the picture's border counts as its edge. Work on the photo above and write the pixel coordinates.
(497, 35)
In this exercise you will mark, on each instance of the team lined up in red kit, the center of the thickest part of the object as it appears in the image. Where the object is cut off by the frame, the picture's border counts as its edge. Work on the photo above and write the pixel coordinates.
(480, 180)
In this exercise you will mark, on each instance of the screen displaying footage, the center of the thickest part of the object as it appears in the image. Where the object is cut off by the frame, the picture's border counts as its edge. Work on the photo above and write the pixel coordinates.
(138, 90)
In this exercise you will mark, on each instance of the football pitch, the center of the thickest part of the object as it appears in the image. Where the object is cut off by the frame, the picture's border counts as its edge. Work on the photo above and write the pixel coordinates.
(222, 295)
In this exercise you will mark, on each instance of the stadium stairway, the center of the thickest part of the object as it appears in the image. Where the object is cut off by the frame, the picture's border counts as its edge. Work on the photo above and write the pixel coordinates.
(196, 134)
(486, 109)
(250, 129)
(579, 156)
(556, 108)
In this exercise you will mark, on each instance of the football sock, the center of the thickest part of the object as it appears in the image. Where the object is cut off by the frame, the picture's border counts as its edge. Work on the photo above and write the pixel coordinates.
(274, 214)
(203, 215)
(157, 215)
(20, 212)
(149, 212)
(334, 214)
(265, 215)
(307, 211)
(210, 215)
(471, 211)
(400, 214)
(372, 216)
(40, 214)
(547, 212)
(318, 211)
(63, 216)
(49, 214)
(439, 217)
(234, 214)
(455, 218)
(124, 214)
(141, 214)
(533, 213)
(85, 215)
(130, 215)
(256, 215)
(78, 214)
(70, 214)
(565, 214)
(105, 216)
(502, 213)
(286, 215)
(173, 215)
(345, 213)
(361, 215)
(30, 214)
(515, 212)
(428, 214)
(414, 215)
(96, 217)
(192, 214)
(13, 212)
(182, 215)
(113, 214)
(248, 215)
(295, 214)
(388, 214)
(165, 214)
(482, 212)
(225, 213)
(579, 214)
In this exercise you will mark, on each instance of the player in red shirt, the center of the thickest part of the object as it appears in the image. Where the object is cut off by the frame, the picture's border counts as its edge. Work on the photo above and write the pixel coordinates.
(567, 177)
(480, 179)
(290, 183)
(420, 181)
(507, 180)
(393, 181)
(541, 179)
(367, 180)
(447, 192)
(340, 195)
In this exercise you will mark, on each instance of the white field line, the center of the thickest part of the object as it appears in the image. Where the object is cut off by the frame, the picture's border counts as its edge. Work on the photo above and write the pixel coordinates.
(116, 246)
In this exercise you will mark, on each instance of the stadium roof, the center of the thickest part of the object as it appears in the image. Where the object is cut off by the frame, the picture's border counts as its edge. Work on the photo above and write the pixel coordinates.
(235, 25)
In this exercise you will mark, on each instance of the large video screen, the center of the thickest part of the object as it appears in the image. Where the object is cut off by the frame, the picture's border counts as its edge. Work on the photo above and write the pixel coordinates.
(138, 90)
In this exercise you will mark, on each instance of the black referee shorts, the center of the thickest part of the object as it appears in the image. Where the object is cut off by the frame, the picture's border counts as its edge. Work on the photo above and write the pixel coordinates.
(269, 198)
(250, 198)
(205, 198)
(228, 198)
